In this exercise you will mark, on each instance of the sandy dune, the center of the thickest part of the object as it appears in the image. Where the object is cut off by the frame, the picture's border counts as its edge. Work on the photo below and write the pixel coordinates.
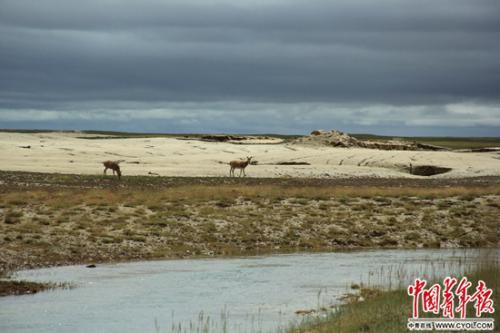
(66, 153)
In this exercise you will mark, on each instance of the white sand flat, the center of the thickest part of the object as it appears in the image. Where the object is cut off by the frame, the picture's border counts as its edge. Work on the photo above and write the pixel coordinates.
(66, 153)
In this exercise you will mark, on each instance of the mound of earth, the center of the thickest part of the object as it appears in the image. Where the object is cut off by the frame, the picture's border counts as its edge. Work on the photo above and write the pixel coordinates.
(336, 138)
(329, 138)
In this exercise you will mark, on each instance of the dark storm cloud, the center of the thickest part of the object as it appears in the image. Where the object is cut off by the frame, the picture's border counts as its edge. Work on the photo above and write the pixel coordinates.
(93, 56)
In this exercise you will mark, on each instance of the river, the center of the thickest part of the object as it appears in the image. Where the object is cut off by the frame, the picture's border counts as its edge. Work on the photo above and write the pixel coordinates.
(251, 294)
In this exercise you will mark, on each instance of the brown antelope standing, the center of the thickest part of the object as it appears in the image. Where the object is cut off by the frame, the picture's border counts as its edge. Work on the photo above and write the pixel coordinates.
(113, 165)
(239, 165)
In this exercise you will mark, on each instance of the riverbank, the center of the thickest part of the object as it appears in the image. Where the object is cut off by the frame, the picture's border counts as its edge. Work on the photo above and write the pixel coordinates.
(388, 310)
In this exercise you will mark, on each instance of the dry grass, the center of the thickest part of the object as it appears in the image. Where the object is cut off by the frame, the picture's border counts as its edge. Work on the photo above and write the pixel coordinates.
(54, 226)
(64, 198)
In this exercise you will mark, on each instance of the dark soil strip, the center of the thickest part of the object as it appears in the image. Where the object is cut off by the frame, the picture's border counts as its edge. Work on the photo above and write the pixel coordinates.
(18, 180)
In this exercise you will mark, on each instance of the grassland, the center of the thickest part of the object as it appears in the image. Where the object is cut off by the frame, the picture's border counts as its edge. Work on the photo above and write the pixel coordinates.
(388, 311)
(56, 223)
(447, 142)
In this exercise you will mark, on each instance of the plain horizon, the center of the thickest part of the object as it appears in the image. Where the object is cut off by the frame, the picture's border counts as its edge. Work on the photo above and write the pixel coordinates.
(112, 132)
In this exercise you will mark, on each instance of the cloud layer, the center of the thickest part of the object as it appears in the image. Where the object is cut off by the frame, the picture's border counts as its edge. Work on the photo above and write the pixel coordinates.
(417, 64)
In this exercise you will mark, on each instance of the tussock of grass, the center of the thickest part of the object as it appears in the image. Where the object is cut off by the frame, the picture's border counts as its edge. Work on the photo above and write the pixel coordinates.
(15, 287)
(10, 287)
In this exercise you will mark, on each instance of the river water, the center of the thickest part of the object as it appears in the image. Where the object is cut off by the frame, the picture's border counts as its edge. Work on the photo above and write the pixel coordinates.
(253, 294)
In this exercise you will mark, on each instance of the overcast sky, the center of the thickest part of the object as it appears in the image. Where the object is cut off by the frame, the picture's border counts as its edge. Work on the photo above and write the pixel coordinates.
(388, 66)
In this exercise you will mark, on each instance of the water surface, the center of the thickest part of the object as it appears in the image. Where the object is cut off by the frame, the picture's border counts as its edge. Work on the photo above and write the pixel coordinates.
(254, 294)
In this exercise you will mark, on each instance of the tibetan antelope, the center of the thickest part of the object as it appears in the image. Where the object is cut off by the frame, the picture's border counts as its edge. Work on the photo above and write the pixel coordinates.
(239, 165)
(113, 165)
